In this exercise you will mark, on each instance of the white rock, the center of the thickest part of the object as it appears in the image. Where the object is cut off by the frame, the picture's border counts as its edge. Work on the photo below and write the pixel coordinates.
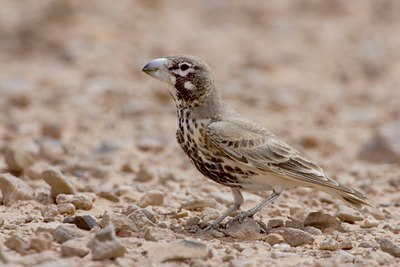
(74, 247)
(156, 234)
(105, 245)
(14, 189)
(249, 228)
(152, 198)
(329, 244)
(67, 232)
(59, 184)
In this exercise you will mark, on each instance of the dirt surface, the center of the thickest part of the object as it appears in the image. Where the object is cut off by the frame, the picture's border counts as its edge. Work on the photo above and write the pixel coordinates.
(77, 114)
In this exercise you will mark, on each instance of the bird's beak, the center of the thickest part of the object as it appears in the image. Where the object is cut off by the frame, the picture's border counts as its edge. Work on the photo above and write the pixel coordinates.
(157, 68)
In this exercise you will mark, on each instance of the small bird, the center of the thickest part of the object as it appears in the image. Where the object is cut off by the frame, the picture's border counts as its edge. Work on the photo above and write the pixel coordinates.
(232, 150)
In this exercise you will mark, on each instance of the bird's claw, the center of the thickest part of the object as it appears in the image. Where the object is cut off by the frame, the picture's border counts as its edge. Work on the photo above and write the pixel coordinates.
(240, 218)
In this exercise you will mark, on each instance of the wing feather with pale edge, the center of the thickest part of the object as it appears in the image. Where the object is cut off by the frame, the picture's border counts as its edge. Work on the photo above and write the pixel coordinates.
(253, 145)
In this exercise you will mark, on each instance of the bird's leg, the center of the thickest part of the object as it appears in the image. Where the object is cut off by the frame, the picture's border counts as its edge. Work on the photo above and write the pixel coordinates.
(238, 200)
(254, 210)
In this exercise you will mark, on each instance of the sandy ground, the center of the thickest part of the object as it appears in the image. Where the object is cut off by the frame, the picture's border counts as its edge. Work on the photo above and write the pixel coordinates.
(323, 75)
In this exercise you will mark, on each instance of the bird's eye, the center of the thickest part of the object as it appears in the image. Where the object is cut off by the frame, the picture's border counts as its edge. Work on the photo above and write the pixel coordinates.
(184, 67)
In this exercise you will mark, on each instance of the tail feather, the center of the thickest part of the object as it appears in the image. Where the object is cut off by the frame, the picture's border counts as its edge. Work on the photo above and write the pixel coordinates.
(348, 195)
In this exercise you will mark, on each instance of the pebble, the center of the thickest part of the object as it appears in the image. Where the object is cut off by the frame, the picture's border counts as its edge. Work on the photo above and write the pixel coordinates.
(157, 234)
(52, 130)
(249, 228)
(109, 196)
(199, 204)
(384, 147)
(152, 198)
(322, 221)
(346, 244)
(17, 159)
(3, 257)
(296, 237)
(312, 230)
(348, 217)
(17, 243)
(49, 213)
(35, 170)
(273, 239)
(144, 175)
(192, 221)
(59, 184)
(64, 233)
(85, 222)
(377, 214)
(275, 223)
(83, 201)
(297, 213)
(66, 208)
(13, 189)
(105, 245)
(329, 244)
(41, 242)
(119, 222)
(74, 247)
(390, 247)
(140, 219)
(51, 149)
(177, 250)
(369, 223)
(64, 198)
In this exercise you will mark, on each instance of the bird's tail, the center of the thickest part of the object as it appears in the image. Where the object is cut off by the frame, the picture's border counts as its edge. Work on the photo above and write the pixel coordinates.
(348, 195)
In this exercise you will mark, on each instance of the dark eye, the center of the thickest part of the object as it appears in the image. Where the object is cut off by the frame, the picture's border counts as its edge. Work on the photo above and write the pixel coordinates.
(184, 67)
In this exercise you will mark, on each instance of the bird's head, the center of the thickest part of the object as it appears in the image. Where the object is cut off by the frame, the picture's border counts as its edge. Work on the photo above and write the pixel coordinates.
(191, 79)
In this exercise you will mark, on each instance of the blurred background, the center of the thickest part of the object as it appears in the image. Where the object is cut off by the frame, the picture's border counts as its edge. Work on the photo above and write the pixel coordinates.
(321, 74)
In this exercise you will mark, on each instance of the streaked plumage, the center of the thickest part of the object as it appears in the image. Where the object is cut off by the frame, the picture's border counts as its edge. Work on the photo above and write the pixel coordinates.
(230, 149)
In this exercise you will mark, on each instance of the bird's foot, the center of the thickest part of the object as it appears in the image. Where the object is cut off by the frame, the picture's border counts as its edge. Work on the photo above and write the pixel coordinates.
(239, 218)
(208, 229)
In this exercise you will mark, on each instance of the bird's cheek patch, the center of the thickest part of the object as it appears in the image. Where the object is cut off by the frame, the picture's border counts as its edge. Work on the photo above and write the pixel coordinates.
(173, 79)
(189, 86)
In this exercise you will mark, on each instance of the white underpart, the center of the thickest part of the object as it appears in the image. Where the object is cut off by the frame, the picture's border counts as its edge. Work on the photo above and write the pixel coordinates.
(188, 85)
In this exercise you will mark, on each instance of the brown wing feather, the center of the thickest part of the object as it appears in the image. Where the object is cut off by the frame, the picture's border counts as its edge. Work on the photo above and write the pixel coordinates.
(253, 145)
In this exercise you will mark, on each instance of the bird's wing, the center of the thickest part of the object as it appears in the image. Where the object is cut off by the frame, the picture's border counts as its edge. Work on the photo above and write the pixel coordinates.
(253, 145)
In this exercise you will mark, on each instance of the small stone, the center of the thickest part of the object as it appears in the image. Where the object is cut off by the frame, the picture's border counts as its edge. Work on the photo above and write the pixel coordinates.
(152, 198)
(273, 239)
(329, 244)
(156, 234)
(275, 223)
(35, 170)
(59, 184)
(109, 196)
(390, 247)
(348, 217)
(322, 221)
(142, 219)
(64, 198)
(49, 213)
(369, 223)
(17, 160)
(51, 149)
(17, 243)
(64, 233)
(377, 214)
(143, 174)
(85, 222)
(369, 244)
(296, 237)
(346, 244)
(312, 230)
(74, 247)
(105, 245)
(42, 242)
(83, 201)
(192, 221)
(3, 258)
(249, 228)
(177, 250)
(298, 214)
(13, 189)
(199, 204)
(52, 130)
(66, 208)
(120, 222)
(384, 147)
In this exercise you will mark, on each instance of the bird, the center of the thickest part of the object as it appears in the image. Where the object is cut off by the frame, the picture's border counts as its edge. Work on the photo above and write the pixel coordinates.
(232, 150)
